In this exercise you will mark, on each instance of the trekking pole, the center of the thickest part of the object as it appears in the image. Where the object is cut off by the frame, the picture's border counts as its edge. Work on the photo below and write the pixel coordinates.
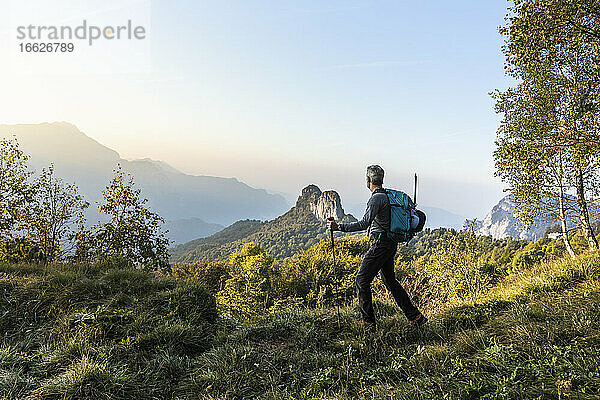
(334, 271)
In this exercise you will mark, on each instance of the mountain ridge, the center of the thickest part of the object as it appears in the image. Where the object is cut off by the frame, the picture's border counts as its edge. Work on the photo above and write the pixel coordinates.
(181, 230)
(502, 221)
(296, 230)
(173, 194)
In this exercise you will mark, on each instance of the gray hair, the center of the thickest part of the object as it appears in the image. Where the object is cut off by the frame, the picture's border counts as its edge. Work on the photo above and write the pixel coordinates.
(375, 174)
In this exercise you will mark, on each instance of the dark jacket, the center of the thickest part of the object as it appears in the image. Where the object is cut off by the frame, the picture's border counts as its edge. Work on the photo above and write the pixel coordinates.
(376, 218)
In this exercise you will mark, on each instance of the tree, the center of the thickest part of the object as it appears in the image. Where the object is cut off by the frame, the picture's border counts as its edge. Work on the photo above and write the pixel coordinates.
(15, 190)
(57, 215)
(530, 156)
(246, 294)
(133, 232)
(552, 48)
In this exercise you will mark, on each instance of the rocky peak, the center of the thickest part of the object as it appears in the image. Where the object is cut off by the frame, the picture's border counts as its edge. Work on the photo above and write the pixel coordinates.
(502, 222)
(321, 204)
(329, 205)
(310, 195)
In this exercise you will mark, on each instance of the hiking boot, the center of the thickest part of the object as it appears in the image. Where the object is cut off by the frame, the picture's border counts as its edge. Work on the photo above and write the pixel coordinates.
(419, 321)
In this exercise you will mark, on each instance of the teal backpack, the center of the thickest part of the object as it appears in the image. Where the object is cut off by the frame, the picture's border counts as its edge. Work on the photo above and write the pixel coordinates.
(405, 219)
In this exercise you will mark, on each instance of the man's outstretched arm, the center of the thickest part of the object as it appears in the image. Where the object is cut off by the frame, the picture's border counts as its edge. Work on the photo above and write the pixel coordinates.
(365, 222)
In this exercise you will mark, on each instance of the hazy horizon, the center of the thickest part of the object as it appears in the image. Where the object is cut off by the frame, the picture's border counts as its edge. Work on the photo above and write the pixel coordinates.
(280, 96)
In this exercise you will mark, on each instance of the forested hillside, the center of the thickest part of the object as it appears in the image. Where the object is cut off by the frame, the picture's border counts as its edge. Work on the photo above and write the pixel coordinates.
(296, 230)
(195, 249)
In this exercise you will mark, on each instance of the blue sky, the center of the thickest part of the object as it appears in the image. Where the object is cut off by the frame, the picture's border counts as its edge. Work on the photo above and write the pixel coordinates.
(284, 94)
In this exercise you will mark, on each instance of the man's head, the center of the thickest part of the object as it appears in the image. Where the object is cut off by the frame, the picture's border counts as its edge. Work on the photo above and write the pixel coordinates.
(374, 176)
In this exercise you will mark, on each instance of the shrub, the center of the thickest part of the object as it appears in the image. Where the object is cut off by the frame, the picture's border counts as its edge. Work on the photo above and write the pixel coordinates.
(133, 231)
(247, 292)
(212, 275)
(312, 277)
(20, 249)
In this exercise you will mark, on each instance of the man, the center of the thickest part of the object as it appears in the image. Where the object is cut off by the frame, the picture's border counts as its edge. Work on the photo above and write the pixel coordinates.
(380, 256)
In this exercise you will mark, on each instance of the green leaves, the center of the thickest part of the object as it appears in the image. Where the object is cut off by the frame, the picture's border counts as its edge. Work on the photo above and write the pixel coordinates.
(43, 220)
(246, 294)
(133, 232)
(40, 218)
(58, 215)
(548, 141)
(15, 189)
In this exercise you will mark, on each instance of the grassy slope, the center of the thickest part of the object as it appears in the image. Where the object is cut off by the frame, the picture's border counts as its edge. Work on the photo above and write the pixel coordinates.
(538, 334)
(125, 334)
(98, 332)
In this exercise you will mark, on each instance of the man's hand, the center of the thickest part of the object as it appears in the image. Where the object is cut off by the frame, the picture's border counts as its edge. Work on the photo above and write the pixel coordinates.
(332, 225)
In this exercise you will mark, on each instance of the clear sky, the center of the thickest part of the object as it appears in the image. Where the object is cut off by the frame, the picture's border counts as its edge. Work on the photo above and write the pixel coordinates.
(281, 94)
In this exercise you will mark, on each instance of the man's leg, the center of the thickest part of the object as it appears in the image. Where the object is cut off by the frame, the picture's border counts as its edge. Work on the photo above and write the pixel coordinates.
(370, 265)
(391, 283)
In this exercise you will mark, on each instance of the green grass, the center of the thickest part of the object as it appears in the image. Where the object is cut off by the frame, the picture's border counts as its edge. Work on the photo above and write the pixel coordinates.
(537, 335)
(100, 332)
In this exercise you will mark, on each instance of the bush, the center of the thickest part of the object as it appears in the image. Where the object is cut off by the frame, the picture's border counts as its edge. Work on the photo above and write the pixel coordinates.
(535, 252)
(133, 232)
(212, 275)
(21, 250)
(247, 292)
(312, 277)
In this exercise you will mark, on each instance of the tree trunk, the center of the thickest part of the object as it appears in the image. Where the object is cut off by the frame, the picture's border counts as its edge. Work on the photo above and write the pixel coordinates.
(584, 217)
(563, 223)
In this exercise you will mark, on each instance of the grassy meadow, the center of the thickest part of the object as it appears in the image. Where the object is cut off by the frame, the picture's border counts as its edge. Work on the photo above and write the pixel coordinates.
(107, 331)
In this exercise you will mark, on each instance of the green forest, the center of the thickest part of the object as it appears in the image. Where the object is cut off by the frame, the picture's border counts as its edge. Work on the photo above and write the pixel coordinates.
(296, 230)
(101, 311)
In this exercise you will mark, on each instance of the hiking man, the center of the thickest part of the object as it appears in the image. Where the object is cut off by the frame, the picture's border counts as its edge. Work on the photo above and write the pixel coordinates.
(380, 256)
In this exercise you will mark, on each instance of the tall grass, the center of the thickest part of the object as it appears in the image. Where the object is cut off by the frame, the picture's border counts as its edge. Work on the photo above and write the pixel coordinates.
(98, 331)
(101, 331)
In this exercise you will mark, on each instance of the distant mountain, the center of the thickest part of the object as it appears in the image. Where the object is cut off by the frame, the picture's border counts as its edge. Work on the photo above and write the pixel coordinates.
(184, 230)
(171, 193)
(502, 222)
(297, 230)
(440, 218)
(196, 249)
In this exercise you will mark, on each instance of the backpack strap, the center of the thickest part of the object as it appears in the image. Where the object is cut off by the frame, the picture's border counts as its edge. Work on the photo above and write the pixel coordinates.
(382, 190)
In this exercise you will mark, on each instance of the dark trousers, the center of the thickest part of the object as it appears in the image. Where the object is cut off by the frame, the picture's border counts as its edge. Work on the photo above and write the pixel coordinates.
(380, 258)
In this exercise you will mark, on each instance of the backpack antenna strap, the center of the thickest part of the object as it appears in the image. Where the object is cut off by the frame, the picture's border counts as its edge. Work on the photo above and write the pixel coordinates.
(415, 197)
